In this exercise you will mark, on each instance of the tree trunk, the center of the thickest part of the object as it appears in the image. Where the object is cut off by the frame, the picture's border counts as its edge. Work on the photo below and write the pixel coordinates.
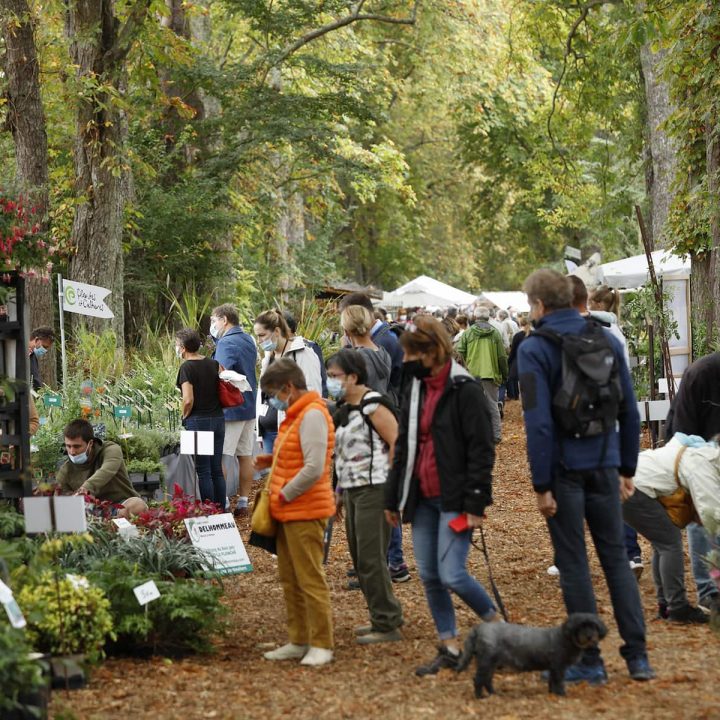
(705, 283)
(662, 149)
(26, 121)
(99, 45)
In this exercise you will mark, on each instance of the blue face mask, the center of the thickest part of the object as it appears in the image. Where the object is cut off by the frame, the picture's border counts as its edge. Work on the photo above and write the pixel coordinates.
(268, 345)
(80, 459)
(213, 330)
(335, 388)
(278, 404)
(40, 351)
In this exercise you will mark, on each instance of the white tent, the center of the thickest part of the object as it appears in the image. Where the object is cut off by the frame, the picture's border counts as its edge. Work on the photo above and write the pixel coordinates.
(675, 274)
(425, 291)
(633, 272)
(508, 300)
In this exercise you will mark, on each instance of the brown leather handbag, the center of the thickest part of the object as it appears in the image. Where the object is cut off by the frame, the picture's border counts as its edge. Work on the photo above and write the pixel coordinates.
(679, 505)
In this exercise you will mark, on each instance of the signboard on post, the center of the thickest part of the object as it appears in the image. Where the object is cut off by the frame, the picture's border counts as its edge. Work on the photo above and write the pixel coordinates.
(218, 537)
(85, 299)
(573, 253)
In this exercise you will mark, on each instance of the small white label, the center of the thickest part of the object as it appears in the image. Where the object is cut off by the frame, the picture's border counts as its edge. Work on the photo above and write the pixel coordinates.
(147, 592)
(262, 411)
(125, 528)
(122, 522)
(17, 620)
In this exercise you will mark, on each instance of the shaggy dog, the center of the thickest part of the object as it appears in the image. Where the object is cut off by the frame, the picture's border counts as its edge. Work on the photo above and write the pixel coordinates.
(523, 648)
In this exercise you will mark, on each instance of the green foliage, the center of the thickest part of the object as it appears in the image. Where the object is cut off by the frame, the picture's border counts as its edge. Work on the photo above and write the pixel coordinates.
(12, 523)
(66, 615)
(184, 618)
(19, 675)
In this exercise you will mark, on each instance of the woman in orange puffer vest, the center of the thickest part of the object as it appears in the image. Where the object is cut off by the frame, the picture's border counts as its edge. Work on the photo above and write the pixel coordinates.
(301, 500)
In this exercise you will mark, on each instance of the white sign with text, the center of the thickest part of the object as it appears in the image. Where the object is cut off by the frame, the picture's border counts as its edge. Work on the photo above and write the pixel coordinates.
(147, 592)
(218, 537)
(85, 299)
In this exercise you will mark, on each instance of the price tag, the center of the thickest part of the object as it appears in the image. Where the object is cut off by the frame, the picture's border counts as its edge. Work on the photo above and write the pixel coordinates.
(147, 592)
(17, 620)
(52, 400)
(122, 411)
(122, 522)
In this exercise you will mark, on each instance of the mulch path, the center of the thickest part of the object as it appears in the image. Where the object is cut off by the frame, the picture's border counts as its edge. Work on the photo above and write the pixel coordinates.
(378, 681)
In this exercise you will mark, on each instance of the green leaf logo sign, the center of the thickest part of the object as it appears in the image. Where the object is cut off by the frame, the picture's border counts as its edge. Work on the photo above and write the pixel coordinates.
(70, 296)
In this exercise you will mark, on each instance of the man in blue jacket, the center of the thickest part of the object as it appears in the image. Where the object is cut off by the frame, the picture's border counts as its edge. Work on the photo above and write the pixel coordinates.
(236, 350)
(576, 478)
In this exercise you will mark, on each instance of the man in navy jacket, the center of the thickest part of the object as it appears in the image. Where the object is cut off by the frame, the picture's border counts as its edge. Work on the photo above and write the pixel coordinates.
(576, 479)
(236, 350)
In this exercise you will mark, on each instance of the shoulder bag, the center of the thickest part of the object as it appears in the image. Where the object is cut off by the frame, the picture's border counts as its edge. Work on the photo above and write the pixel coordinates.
(679, 505)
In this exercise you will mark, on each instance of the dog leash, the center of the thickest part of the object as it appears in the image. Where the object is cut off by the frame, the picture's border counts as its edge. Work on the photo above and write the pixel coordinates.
(495, 591)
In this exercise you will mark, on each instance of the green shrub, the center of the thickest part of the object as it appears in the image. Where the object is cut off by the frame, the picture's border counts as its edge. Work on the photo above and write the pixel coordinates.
(66, 615)
(18, 674)
(12, 523)
(182, 620)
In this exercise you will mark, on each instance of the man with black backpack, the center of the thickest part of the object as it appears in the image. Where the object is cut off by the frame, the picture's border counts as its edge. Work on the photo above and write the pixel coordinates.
(582, 427)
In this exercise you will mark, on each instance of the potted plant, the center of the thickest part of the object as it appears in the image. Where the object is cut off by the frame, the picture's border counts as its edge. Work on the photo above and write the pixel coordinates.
(25, 687)
(136, 470)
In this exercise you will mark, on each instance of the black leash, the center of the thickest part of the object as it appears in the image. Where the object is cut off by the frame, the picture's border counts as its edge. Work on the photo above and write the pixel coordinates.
(496, 592)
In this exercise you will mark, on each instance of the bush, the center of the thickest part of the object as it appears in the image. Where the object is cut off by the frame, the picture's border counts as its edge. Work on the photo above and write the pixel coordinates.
(19, 676)
(66, 615)
(182, 620)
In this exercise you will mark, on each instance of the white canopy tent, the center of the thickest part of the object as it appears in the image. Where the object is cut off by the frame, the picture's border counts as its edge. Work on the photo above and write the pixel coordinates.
(508, 300)
(674, 272)
(633, 272)
(425, 291)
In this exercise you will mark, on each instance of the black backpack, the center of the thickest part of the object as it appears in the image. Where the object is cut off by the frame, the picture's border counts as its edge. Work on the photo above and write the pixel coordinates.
(588, 399)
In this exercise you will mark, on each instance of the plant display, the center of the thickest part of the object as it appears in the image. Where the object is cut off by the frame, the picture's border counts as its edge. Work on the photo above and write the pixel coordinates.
(19, 675)
(169, 516)
(66, 615)
(149, 467)
(22, 246)
(12, 523)
(182, 620)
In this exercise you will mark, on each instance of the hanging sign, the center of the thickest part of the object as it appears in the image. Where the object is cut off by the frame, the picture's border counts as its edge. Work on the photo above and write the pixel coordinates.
(85, 299)
(218, 537)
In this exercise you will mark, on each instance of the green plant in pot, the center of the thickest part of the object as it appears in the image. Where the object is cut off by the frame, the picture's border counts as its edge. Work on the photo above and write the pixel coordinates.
(23, 690)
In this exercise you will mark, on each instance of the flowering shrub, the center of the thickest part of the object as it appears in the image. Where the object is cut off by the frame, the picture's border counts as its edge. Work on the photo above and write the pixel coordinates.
(169, 516)
(66, 615)
(22, 246)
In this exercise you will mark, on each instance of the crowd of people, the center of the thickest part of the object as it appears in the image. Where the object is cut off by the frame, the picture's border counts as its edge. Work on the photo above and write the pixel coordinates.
(401, 426)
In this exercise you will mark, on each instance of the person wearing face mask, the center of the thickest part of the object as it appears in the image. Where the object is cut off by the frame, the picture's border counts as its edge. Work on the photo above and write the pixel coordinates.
(201, 410)
(96, 468)
(442, 474)
(41, 340)
(365, 434)
(301, 500)
(235, 350)
(276, 341)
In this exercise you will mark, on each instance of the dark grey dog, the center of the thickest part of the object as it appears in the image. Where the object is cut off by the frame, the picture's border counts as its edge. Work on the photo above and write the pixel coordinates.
(524, 648)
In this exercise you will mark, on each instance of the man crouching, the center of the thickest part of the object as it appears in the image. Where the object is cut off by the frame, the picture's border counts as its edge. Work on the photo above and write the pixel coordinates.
(97, 468)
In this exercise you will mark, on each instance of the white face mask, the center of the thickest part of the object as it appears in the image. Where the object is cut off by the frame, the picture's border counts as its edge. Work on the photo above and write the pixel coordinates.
(213, 330)
(178, 352)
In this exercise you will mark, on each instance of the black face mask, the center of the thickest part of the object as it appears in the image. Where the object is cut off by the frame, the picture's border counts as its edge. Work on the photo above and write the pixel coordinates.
(416, 369)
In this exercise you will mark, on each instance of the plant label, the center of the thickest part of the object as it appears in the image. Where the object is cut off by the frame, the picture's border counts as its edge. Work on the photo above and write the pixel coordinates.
(52, 400)
(122, 411)
(70, 514)
(218, 537)
(125, 528)
(17, 619)
(147, 592)
(263, 409)
(205, 443)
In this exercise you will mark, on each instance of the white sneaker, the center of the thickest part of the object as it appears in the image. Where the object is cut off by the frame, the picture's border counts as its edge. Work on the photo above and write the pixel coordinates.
(286, 652)
(317, 656)
(552, 570)
(636, 565)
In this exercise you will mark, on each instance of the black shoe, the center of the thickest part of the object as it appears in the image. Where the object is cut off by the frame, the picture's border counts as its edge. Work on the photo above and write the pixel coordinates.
(353, 584)
(399, 573)
(662, 613)
(352, 572)
(688, 615)
(444, 659)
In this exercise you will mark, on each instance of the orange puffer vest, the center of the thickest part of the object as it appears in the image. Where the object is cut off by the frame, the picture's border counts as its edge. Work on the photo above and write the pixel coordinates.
(317, 503)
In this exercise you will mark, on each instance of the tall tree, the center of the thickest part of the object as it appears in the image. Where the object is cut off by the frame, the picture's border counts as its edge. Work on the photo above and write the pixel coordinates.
(100, 41)
(26, 120)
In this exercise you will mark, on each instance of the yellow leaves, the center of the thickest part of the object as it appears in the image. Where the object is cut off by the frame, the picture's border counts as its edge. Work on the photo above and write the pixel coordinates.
(185, 111)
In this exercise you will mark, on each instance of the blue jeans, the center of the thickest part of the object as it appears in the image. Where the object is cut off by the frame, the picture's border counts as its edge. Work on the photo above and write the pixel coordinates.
(268, 442)
(594, 495)
(395, 551)
(441, 557)
(700, 546)
(631, 543)
(209, 467)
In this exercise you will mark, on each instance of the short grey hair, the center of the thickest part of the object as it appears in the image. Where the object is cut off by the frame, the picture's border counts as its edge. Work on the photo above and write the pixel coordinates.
(481, 313)
(502, 315)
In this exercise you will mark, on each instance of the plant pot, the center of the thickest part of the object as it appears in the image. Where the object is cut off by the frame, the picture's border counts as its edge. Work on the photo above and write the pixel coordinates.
(137, 478)
(68, 672)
